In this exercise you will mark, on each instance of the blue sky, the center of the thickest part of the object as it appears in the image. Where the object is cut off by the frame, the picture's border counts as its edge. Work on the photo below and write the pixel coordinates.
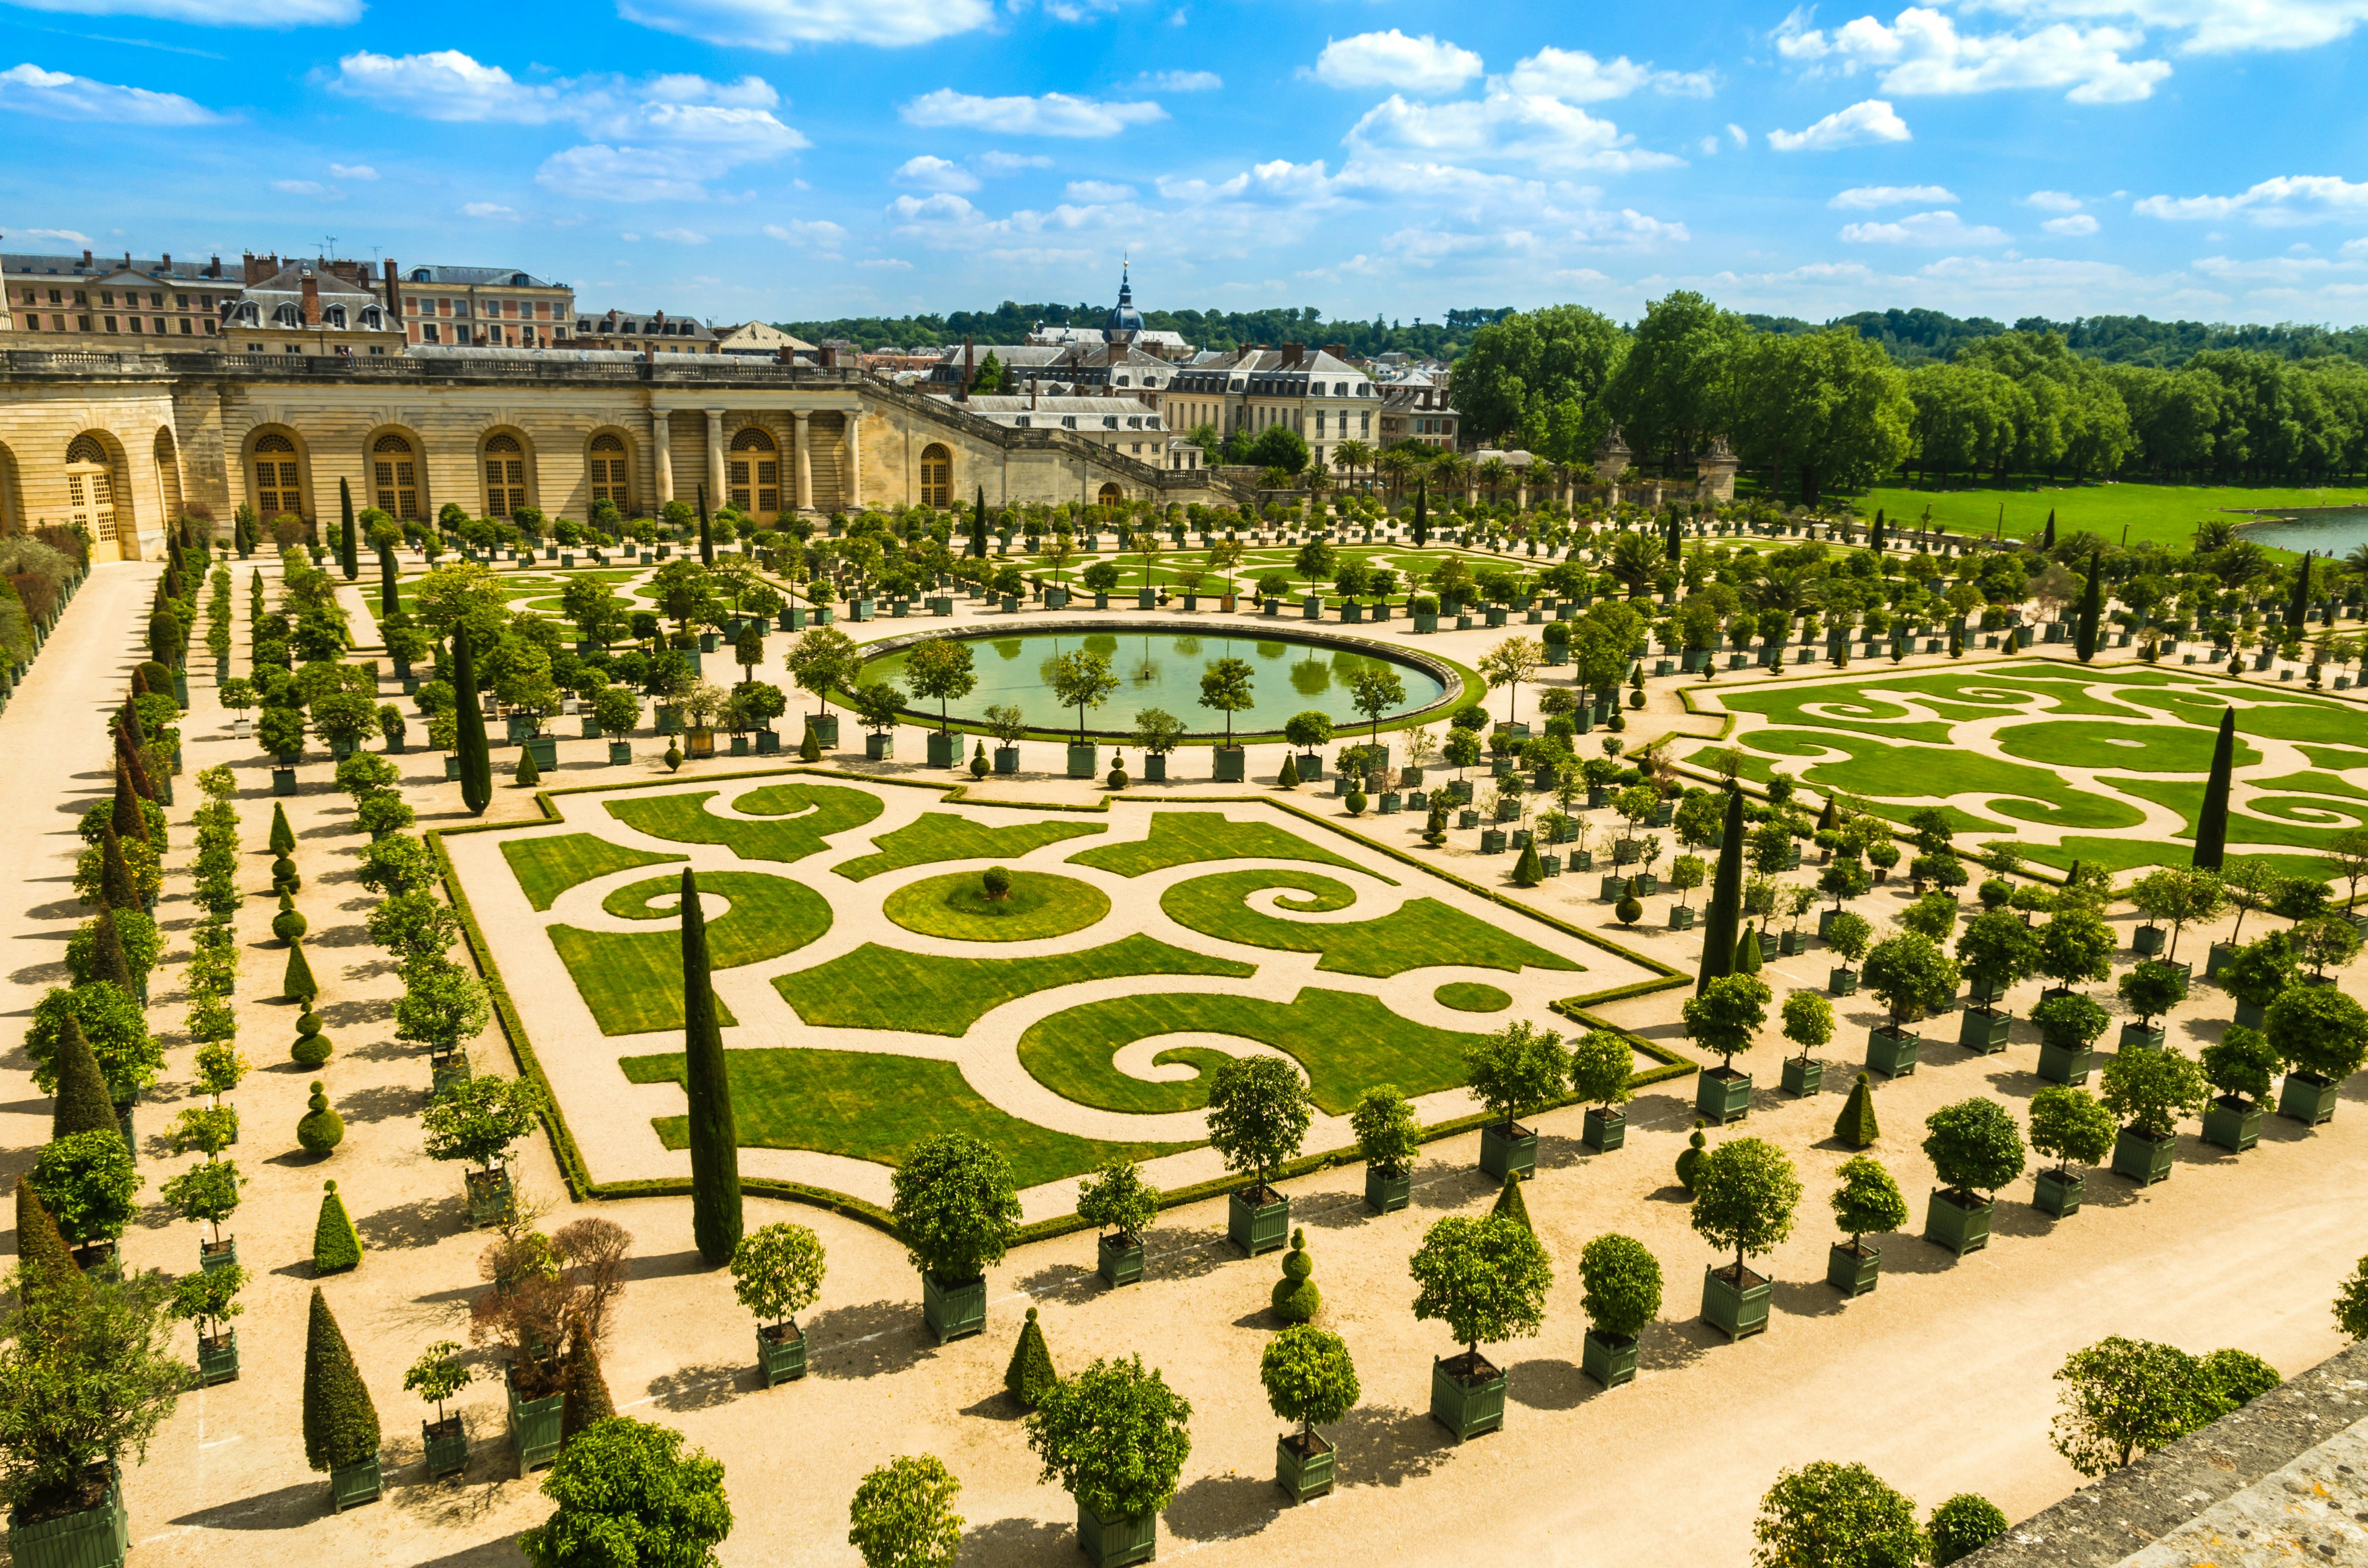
(796, 159)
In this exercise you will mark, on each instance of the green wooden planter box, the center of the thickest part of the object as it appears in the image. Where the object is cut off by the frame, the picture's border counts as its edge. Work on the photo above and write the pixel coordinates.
(2065, 1063)
(354, 1484)
(1984, 1029)
(218, 1358)
(1388, 1191)
(620, 753)
(1791, 944)
(1118, 1260)
(1603, 1130)
(1007, 759)
(1841, 982)
(2218, 959)
(954, 1311)
(2250, 1017)
(2137, 1038)
(1722, 1095)
(1958, 1220)
(283, 780)
(446, 1445)
(1505, 1154)
(1231, 764)
(99, 1537)
(2147, 940)
(1803, 1075)
(489, 1197)
(1893, 1055)
(824, 727)
(1853, 1272)
(1467, 1406)
(1682, 918)
(2141, 1158)
(1303, 1475)
(1257, 1228)
(212, 1256)
(782, 1360)
(534, 1429)
(1609, 1359)
(1736, 1310)
(878, 746)
(1116, 1541)
(1082, 759)
(2306, 1097)
(2232, 1123)
(447, 1074)
(2057, 1193)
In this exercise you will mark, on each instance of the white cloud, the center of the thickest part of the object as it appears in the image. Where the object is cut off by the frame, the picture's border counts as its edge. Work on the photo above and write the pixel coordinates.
(2054, 201)
(302, 187)
(56, 95)
(2216, 27)
(1575, 77)
(1055, 114)
(1922, 52)
(488, 210)
(777, 25)
(215, 12)
(1867, 197)
(1180, 81)
(1392, 60)
(1098, 190)
(353, 171)
(992, 163)
(2355, 249)
(2286, 201)
(818, 234)
(599, 172)
(1871, 121)
(2073, 227)
(76, 237)
(935, 174)
(1925, 229)
(887, 264)
(1543, 132)
(1742, 137)
(683, 236)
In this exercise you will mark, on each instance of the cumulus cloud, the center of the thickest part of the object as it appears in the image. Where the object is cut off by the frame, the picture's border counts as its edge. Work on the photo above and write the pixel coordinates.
(1098, 190)
(1867, 197)
(776, 25)
(302, 187)
(2073, 227)
(1180, 81)
(488, 210)
(1422, 64)
(1924, 229)
(1863, 124)
(1922, 52)
(817, 233)
(71, 236)
(57, 95)
(935, 174)
(1575, 77)
(2286, 201)
(1544, 132)
(1053, 114)
(353, 171)
(215, 12)
(2215, 27)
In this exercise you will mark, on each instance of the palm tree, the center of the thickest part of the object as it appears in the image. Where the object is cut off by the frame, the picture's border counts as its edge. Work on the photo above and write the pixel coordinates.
(1495, 473)
(1351, 455)
(2356, 564)
(1451, 469)
(1398, 464)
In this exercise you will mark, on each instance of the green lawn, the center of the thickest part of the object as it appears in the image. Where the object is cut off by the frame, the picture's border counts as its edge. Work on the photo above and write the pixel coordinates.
(1896, 773)
(1184, 839)
(887, 988)
(1471, 996)
(938, 836)
(813, 813)
(1038, 904)
(2165, 513)
(546, 868)
(633, 980)
(2135, 748)
(873, 1106)
(1346, 1040)
(1419, 934)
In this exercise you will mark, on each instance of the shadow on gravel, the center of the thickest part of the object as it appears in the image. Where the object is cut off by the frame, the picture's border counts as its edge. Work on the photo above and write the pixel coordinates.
(384, 1102)
(420, 1223)
(1381, 1445)
(1008, 1543)
(1065, 1282)
(704, 1386)
(1551, 1385)
(868, 1340)
(1218, 1508)
(290, 1507)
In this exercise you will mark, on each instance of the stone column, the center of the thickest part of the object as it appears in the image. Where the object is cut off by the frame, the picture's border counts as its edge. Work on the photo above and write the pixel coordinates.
(714, 457)
(662, 446)
(804, 460)
(855, 459)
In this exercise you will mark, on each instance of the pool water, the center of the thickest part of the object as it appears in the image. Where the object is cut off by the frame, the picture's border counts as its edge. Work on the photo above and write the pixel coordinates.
(1163, 669)
(2336, 532)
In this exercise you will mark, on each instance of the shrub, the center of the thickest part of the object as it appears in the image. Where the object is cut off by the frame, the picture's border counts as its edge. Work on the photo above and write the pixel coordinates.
(1624, 1286)
(112, 1023)
(479, 1119)
(289, 923)
(1745, 1193)
(624, 1492)
(2071, 1016)
(954, 1206)
(1856, 1126)
(1115, 1437)
(87, 1375)
(1029, 1372)
(1515, 1070)
(1295, 1297)
(2151, 989)
(1259, 1115)
(996, 882)
(1963, 1525)
(901, 1514)
(1973, 1145)
(2125, 1397)
(1690, 1158)
(1836, 1515)
(340, 1422)
(319, 1129)
(2352, 1303)
(1602, 1063)
(336, 1246)
(2318, 1030)
(1868, 1200)
(777, 1272)
(1118, 1199)
(1911, 977)
(312, 1048)
(1387, 1133)
(87, 1182)
(1486, 1279)
(2151, 1090)
(1808, 1021)
(2239, 1376)
(205, 1194)
(1308, 1377)
(298, 983)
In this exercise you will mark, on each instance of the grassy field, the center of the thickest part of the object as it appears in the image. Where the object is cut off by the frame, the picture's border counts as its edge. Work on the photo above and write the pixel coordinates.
(938, 836)
(1185, 838)
(822, 810)
(875, 1107)
(1417, 935)
(633, 980)
(546, 868)
(887, 988)
(1037, 905)
(2166, 514)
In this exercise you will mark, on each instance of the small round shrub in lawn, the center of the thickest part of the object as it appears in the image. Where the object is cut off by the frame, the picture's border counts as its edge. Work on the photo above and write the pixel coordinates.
(1035, 905)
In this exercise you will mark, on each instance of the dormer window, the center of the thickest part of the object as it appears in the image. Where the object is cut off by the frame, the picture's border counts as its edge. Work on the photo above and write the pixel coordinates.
(520, 280)
(421, 275)
(373, 320)
(334, 316)
(286, 315)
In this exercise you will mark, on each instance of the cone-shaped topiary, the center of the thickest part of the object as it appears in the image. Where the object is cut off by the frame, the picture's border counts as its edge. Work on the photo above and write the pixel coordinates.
(41, 1251)
(528, 773)
(298, 984)
(714, 1136)
(1529, 871)
(84, 1103)
(1856, 1124)
(128, 820)
(1691, 1157)
(116, 888)
(108, 960)
(586, 1389)
(320, 1128)
(340, 1422)
(1031, 1373)
(1511, 1205)
(336, 1246)
(1288, 776)
(1629, 909)
(310, 1048)
(1747, 951)
(808, 748)
(1726, 899)
(1296, 1297)
(283, 837)
(289, 923)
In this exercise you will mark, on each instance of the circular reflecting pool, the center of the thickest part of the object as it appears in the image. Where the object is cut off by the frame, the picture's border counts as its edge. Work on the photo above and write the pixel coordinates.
(1163, 669)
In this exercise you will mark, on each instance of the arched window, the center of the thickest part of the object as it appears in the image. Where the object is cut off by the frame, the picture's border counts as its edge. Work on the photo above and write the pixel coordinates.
(608, 469)
(1112, 495)
(937, 476)
(373, 320)
(756, 472)
(90, 487)
(334, 316)
(286, 315)
(394, 473)
(505, 476)
(276, 488)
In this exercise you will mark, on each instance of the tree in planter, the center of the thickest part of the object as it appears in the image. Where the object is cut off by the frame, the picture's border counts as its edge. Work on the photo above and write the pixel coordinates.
(2261, 970)
(1974, 1148)
(1686, 873)
(954, 1207)
(1843, 881)
(2070, 1016)
(1808, 1021)
(624, 1492)
(1911, 977)
(821, 658)
(1259, 1115)
(478, 1119)
(1117, 1199)
(2150, 1091)
(1309, 1378)
(2069, 1126)
(1225, 688)
(1624, 1287)
(1387, 1133)
(777, 1272)
(547, 1291)
(1517, 1069)
(2318, 1030)
(1156, 731)
(87, 1182)
(340, 1422)
(1933, 916)
(2352, 1303)
(877, 703)
(901, 1514)
(208, 1299)
(2150, 990)
(1867, 1202)
(438, 1375)
(206, 1194)
(2242, 1064)
(1115, 1437)
(1849, 933)
(1602, 1063)
(412, 926)
(2180, 896)
(112, 1024)
(1744, 1195)
(2325, 942)
(86, 1377)
(442, 1005)
(1836, 1515)
(2125, 1397)
(2076, 947)
(1081, 680)
(1374, 690)
(1486, 1279)
(1727, 1016)
(1997, 950)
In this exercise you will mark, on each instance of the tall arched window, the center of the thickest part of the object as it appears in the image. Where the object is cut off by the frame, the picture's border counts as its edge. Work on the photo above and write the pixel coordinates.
(937, 476)
(756, 472)
(505, 476)
(90, 487)
(394, 473)
(276, 488)
(610, 474)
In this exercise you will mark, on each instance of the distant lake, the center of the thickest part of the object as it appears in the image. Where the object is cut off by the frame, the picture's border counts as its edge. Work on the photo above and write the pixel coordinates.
(2337, 531)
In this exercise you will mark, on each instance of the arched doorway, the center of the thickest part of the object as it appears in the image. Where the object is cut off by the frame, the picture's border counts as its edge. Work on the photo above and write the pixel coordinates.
(93, 492)
(1110, 495)
(504, 474)
(755, 486)
(611, 479)
(937, 476)
(395, 476)
(279, 478)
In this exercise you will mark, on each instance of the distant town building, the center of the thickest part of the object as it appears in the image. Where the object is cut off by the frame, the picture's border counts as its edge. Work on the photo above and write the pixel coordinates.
(304, 308)
(759, 340)
(1316, 392)
(645, 332)
(1414, 409)
(151, 298)
(1120, 423)
(486, 307)
(1111, 362)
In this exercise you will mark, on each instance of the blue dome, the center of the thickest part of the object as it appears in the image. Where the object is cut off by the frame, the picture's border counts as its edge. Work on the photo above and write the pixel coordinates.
(1124, 324)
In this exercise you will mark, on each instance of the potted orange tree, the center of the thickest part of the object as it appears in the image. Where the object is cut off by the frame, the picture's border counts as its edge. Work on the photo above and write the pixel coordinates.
(2069, 1125)
(1913, 978)
(1623, 1294)
(2321, 1035)
(477, 1120)
(1258, 1116)
(1975, 1148)
(1602, 1063)
(436, 1377)
(1726, 1018)
(1309, 1378)
(777, 1272)
(1119, 1205)
(1115, 1437)
(2068, 1024)
(2149, 1092)
(1745, 1193)
(1995, 949)
(2241, 1067)
(1389, 1138)
(1486, 1279)
(1867, 1200)
(1809, 1023)
(1517, 1069)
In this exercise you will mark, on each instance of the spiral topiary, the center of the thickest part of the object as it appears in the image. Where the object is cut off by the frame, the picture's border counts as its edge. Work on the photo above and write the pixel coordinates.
(1691, 1157)
(1629, 909)
(288, 925)
(284, 879)
(978, 765)
(320, 1128)
(1296, 1297)
(674, 755)
(312, 1046)
(1117, 779)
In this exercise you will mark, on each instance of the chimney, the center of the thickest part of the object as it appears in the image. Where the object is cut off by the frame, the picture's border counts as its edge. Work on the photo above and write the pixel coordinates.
(786, 355)
(213, 268)
(829, 357)
(1292, 354)
(168, 261)
(310, 309)
(393, 293)
(966, 370)
(85, 261)
(1337, 350)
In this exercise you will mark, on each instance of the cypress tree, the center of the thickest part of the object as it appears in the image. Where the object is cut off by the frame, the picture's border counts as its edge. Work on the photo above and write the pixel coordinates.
(586, 1392)
(1726, 899)
(283, 837)
(1421, 517)
(715, 1137)
(336, 1246)
(2212, 822)
(387, 603)
(476, 758)
(349, 553)
(1671, 544)
(1856, 1124)
(1830, 818)
(41, 1251)
(2049, 543)
(116, 887)
(1029, 1375)
(706, 540)
(2091, 606)
(108, 960)
(1510, 1205)
(978, 526)
(340, 1422)
(84, 1103)
(298, 984)
(2298, 608)
(1874, 534)
(128, 819)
